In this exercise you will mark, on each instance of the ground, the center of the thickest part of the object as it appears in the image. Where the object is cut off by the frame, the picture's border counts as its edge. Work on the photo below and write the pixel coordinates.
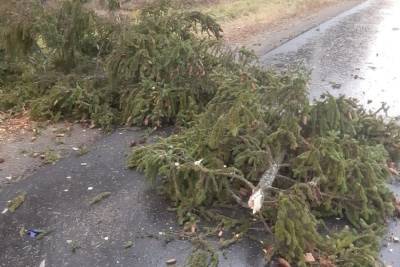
(360, 42)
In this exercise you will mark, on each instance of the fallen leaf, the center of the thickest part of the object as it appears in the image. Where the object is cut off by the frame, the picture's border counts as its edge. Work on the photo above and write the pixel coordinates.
(1, 160)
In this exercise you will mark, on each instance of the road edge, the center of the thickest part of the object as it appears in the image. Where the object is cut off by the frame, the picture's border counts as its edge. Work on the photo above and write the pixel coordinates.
(289, 28)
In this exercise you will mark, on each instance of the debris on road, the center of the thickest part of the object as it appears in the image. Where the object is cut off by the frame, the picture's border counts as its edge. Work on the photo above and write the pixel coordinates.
(83, 150)
(74, 245)
(34, 233)
(335, 85)
(99, 197)
(171, 261)
(16, 202)
(128, 244)
(1, 160)
(50, 156)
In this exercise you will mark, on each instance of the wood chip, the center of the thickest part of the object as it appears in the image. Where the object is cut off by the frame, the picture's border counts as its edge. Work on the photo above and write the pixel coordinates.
(220, 233)
(309, 258)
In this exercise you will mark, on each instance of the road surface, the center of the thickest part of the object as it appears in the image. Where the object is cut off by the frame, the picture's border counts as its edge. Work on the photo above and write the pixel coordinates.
(358, 50)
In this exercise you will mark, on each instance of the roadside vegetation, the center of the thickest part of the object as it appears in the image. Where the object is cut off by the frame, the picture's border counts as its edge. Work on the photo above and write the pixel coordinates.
(250, 11)
(242, 19)
(248, 139)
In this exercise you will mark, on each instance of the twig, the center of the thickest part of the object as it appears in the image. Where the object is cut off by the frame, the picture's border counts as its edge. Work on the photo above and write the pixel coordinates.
(238, 199)
(267, 228)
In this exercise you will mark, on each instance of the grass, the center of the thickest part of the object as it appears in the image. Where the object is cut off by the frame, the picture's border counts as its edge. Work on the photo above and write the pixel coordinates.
(50, 156)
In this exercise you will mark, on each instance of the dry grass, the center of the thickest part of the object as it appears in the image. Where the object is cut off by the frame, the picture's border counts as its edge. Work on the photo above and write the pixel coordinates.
(240, 18)
(259, 10)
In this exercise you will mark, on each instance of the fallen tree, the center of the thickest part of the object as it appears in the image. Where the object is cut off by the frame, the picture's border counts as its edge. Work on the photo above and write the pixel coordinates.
(260, 141)
(249, 140)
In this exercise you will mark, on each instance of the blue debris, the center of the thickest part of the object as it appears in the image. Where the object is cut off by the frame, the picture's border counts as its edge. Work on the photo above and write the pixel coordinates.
(33, 232)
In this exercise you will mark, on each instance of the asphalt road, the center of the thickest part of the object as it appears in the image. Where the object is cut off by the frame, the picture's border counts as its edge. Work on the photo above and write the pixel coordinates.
(57, 199)
(363, 41)
(356, 54)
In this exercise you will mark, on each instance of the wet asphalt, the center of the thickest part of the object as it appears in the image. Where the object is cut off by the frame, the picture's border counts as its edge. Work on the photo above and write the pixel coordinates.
(57, 199)
(357, 51)
(356, 54)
